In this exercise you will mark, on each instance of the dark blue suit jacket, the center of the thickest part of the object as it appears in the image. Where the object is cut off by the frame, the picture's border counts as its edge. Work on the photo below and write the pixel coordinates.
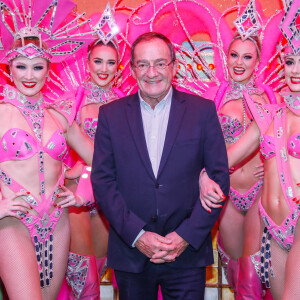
(132, 198)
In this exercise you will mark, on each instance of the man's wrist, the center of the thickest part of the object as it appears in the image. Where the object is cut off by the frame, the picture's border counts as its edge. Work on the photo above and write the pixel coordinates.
(138, 236)
(202, 172)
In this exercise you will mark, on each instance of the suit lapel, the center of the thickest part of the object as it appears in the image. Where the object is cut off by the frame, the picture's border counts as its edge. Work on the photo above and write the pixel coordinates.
(177, 111)
(134, 118)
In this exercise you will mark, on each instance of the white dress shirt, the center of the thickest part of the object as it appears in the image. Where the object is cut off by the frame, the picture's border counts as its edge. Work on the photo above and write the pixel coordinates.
(155, 123)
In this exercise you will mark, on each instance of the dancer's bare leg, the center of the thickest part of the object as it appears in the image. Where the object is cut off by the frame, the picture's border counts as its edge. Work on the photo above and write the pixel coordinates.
(81, 231)
(18, 264)
(252, 230)
(292, 269)
(89, 234)
(249, 285)
(231, 230)
(100, 234)
(278, 258)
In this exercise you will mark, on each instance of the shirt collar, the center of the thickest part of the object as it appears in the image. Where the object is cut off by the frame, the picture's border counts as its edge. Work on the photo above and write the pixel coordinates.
(159, 105)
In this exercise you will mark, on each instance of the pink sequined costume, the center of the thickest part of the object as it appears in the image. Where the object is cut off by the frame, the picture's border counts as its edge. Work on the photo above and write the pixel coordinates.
(18, 144)
(31, 30)
(233, 129)
(90, 93)
(244, 95)
(78, 265)
(280, 267)
(280, 146)
(82, 275)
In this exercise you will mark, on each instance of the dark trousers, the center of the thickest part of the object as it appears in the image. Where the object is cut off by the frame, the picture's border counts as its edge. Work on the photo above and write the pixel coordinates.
(181, 284)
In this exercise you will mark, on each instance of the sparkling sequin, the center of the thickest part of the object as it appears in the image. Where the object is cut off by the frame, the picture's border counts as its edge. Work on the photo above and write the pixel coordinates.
(51, 145)
(77, 272)
(292, 101)
(244, 201)
(265, 255)
(92, 209)
(4, 145)
(248, 17)
(90, 127)
(5, 178)
(29, 198)
(96, 94)
(231, 128)
(235, 90)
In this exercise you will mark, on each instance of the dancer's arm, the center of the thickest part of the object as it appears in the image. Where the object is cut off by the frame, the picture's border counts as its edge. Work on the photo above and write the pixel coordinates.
(79, 142)
(210, 195)
(245, 146)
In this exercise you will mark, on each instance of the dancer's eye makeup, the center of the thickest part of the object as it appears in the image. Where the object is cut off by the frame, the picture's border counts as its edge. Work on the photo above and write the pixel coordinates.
(289, 62)
(38, 68)
(21, 67)
(97, 61)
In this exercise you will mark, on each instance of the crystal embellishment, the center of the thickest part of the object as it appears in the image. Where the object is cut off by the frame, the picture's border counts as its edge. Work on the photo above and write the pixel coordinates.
(107, 20)
(248, 24)
(289, 26)
(41, 20)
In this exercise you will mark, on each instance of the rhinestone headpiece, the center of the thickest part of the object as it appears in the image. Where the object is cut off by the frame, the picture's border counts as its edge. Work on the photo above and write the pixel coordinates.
(247, 24)
(29, 51)
(106, 28)
(290, 28)
(50, 21)
(28, 32)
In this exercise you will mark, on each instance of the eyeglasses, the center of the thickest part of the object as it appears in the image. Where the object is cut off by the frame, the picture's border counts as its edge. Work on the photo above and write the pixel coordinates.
(144, 67)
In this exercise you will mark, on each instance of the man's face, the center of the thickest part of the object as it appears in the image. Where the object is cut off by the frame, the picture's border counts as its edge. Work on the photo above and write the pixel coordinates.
(154, 82)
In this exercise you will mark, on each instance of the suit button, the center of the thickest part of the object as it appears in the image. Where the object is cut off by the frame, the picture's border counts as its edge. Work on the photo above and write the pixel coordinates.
(157, 186)
(153, 219)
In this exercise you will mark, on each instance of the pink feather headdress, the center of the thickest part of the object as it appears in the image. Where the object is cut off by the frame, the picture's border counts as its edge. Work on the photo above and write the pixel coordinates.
(104, 29)
(42, 20)
(202, 65)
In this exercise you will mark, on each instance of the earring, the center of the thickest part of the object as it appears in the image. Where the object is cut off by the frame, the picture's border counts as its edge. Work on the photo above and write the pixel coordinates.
(48, 77)
(11, 77)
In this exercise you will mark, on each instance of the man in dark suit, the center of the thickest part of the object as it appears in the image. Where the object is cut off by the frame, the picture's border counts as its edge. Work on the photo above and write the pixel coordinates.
(149, 150)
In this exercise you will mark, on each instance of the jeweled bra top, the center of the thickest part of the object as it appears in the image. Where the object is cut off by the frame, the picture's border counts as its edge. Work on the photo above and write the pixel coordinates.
(267, 142)
(18, 144)
(267, 146)
(91, 93)
(232, 128)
